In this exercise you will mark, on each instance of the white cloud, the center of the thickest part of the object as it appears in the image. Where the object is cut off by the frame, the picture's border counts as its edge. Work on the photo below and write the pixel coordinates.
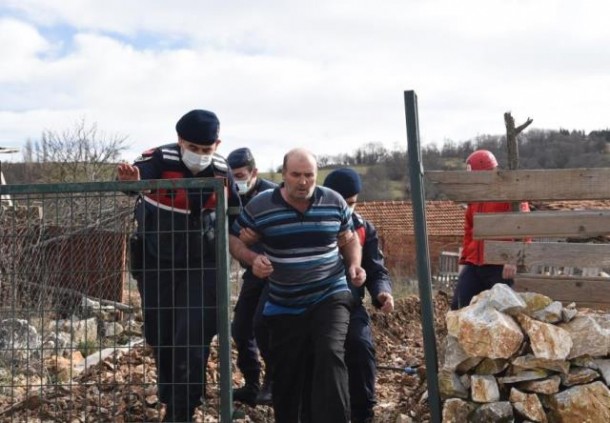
(329, 75)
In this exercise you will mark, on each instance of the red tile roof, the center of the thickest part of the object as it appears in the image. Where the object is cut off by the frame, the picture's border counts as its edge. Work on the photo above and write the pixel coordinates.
(572, 205)
(443, 217)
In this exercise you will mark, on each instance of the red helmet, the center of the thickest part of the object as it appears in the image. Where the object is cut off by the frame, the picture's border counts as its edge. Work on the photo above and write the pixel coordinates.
(482, 160)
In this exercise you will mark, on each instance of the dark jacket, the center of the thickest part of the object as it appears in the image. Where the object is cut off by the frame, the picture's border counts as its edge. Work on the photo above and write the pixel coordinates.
(260, 186)
(177, 225)
(377, 275)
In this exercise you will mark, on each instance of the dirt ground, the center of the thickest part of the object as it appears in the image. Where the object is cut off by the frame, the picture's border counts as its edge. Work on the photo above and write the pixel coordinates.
(127, 382)
(399, 343)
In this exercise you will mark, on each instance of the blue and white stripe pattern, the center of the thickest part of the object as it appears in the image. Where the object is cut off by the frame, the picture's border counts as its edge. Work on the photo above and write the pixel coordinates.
(307, 265)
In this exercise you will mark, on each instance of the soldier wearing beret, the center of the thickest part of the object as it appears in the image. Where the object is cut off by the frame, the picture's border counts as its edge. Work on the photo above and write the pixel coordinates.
(173, 258)
(359, 347)
(249, 332)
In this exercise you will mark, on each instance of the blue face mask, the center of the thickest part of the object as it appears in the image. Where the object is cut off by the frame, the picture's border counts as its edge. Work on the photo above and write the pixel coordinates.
(195, 162)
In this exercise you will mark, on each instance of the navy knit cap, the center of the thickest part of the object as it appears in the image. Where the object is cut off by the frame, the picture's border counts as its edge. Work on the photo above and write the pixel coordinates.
(345, 181)
(240, 158)
(199, 127)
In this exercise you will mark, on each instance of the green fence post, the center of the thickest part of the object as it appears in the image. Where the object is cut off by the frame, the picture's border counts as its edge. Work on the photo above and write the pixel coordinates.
(416, 173)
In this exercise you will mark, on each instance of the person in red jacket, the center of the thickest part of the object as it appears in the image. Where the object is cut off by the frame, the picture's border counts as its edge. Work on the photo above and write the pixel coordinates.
(476, 276)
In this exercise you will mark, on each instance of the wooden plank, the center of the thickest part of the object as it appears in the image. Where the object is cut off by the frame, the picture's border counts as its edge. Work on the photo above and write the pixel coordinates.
(547, 253)
(542, 224)
(567, 289)
(523, 185)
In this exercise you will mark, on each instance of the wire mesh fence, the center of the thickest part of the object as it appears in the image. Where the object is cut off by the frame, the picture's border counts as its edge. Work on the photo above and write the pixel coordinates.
(72, 345)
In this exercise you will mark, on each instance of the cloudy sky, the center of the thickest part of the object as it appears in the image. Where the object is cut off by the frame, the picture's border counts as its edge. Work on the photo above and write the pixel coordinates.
(329, 75)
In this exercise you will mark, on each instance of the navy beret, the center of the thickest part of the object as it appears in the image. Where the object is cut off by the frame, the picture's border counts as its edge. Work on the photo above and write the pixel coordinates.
(199, 127)
(240, 158)
(345, 181)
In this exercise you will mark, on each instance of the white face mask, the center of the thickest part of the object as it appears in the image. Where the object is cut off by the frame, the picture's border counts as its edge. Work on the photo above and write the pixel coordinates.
(243, 187)
(195, 162)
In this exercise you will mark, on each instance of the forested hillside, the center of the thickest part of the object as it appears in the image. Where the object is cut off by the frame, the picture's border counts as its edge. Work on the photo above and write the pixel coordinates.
(385, 172)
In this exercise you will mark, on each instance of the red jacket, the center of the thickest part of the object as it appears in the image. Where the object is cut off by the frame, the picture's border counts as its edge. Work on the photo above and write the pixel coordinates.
(473, 250)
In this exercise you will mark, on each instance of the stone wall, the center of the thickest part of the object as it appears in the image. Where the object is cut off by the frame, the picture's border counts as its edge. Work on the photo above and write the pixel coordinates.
(524, 357)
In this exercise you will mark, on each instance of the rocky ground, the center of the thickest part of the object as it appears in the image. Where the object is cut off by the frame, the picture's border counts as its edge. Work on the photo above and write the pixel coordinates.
(121, 388)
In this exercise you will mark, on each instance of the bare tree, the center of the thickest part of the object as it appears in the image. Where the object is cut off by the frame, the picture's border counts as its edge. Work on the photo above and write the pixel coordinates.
(79, 154)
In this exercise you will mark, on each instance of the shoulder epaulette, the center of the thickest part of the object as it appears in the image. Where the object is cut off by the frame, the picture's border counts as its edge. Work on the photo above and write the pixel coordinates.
(220, 164)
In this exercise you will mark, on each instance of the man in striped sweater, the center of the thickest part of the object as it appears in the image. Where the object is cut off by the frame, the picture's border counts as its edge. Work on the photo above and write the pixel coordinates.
(307, 235)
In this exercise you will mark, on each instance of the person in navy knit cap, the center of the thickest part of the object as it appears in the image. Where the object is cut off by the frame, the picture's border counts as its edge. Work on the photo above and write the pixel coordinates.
(249, 331)
(173, 258)
(359, 347)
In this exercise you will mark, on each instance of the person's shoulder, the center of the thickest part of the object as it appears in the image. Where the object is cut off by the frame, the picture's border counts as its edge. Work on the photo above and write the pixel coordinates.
(328, 194)
(220, 163)
(163, 152)
(263, 201)
(358, 220)
(266, 184)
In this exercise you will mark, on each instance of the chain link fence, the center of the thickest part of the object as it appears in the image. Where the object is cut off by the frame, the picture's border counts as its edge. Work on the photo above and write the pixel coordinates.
(71, 341)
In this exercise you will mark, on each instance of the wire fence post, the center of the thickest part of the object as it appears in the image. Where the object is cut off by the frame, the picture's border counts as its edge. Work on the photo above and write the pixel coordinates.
(416, 173)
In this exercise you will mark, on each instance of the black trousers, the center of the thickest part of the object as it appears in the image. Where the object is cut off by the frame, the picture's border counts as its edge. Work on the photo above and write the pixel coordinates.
(179, 310)
(473, 280)
(310, 381)
(247, 313)
(361, 364)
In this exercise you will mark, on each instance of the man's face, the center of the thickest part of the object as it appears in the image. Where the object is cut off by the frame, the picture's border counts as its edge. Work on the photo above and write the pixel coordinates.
(243, 173)
(300, 177)
(245, 178)
(199, 149)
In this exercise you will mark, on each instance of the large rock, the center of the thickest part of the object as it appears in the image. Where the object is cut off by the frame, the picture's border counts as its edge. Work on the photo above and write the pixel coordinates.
(19, 341)
(534, 301)
(582, 403)
(550, 314)
(456, 410)
(504, 299)
(588, 337)
(495, 412)
(491, 366)
(527, 406)
(486, 332)
(484, 388)
(524, 376)
(456, 359)
(546, 340)
(529, 361)
(80, 330)
(545, 386)
(603, 365)
(450, 385)
(579, 376)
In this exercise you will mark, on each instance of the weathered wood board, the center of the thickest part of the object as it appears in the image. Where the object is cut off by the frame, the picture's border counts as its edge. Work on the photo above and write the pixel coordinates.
(589, 292)
(547, 253)
(569, 224)
(523, 185)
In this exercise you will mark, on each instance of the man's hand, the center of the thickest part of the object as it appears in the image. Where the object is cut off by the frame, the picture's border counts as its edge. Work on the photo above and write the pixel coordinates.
(261, 266)
(249, 236)
(509, 271)
(127, 172)
(387, 302)
(357, 275)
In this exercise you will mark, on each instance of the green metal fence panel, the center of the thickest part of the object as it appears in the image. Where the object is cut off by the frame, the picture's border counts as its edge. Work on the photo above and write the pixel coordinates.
(72, 347)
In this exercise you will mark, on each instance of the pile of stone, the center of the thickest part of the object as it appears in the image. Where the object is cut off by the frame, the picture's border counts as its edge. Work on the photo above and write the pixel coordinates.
(39, 351)
(524, 357)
